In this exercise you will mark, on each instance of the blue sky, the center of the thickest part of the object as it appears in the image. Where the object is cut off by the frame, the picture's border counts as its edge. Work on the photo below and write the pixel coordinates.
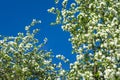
(16, 14)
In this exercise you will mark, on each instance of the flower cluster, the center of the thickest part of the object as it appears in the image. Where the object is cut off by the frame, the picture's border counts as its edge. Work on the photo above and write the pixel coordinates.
(21, 57)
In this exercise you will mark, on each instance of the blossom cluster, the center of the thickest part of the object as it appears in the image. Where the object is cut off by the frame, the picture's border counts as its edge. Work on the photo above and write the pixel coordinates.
(22, 57)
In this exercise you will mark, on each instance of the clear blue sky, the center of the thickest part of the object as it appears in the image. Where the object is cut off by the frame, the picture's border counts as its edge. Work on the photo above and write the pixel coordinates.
(16, 14)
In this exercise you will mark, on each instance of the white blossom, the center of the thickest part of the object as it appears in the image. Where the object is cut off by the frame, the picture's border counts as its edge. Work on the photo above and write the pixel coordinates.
(27, 28)
(62, 72)
(24, 69)
(79, 57)
(28, 45)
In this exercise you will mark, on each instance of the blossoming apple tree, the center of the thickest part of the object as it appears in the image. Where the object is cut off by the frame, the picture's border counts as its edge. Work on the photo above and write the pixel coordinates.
(22, 57)
(94, 27)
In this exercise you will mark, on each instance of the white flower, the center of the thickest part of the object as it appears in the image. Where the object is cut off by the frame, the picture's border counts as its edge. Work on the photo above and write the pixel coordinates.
(103, 56)
(51, 67)
(34, 20)
(100, 53)
(117, 31)
(100, 73)
(99, 25)
(25, 38)
(112, 43)
(24, 69)
(64, 12)
(76, 63)
(51, 10)
(114, 66)
(88, 74)
(102, 4)
(118, 56)
(21, 45)
(27, 28)
(87, 35)
(60, 57)
(46, 62)
(58, 78)
(115, 41)
(97, 55)
(57, 56)
(62, 72)
(75, 67)
(1, 41)
(67, 60)
(90, 5)
(111, 51)
(60, 65)
(12, 43)
(73, 5)
(71, 65)
(90, 54)
(112, 75)
(11, 49)
(20, 34)
(64, 3)
(118, 73)
(105, 44)
(107, 73)
(79, 57)
(80, 50)
(109, 58)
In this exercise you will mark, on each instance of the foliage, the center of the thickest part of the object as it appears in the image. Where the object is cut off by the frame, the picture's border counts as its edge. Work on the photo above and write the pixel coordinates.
(94, 27)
